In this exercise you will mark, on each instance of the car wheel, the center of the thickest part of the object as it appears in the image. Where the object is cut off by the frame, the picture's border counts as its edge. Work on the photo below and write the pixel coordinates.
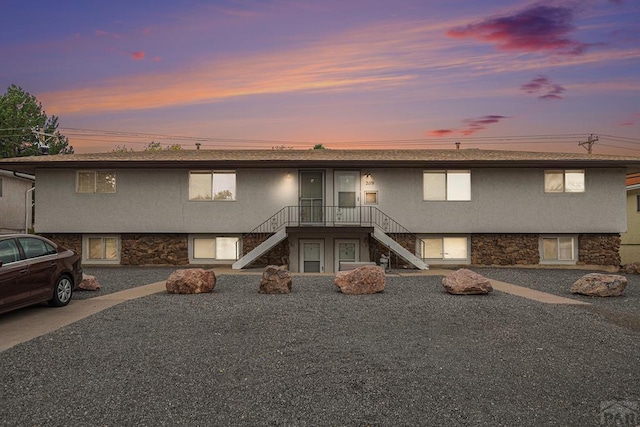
(62, 292)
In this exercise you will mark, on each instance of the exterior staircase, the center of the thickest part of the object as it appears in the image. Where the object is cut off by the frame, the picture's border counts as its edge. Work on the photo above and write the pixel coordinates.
(274, 230)
(260, 250)
(398, 249)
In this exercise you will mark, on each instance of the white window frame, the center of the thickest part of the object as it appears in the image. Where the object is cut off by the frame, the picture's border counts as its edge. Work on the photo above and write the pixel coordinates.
(100, 261)
(574, 244)
(444, 259)
(95, 173)
(212, 196)
(216, 240)
(448, 192)
(565, 188)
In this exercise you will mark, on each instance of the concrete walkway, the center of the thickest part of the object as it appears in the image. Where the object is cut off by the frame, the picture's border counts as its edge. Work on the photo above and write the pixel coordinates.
(23, 325)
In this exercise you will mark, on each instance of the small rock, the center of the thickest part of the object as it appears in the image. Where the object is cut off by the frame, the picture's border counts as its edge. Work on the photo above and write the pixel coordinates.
(633, 268)
(191, 281)
(369, 279)
(89, 283)
(466, 282)
(600, 285)
(275, 280)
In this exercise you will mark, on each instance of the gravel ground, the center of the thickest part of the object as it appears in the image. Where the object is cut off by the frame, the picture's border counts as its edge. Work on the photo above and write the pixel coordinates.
(412, 355)
(116, 279)
(624, 310)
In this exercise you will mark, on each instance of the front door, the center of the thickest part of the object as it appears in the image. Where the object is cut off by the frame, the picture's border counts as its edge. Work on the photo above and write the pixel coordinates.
(347, 197)
(312, 197)
(346, 251)
(311, 256)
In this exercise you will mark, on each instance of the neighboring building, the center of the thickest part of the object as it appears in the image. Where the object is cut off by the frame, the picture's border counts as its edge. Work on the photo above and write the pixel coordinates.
(314, 209)
(16, 201)
(630, 243)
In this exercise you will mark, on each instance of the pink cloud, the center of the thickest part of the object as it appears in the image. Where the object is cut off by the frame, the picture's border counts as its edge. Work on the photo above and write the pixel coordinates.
(635, 118)
(471, 126)
(536, 28)
(441, 132)
(136, 55)
(544, 88)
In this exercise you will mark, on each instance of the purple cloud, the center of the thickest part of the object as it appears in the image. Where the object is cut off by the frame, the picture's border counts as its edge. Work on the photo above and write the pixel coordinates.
(471, 126)
(481, 123)
(537, 28)
(544, 88)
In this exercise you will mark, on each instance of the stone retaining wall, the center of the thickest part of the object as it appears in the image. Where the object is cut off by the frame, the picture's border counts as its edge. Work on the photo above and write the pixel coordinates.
(69, 241)
(505, 249)
(149, 249)
(599, 249)
(486, 249)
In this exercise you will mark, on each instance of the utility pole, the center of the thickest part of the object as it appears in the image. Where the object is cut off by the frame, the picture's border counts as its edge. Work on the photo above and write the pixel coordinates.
(588, 144)
(43, 139)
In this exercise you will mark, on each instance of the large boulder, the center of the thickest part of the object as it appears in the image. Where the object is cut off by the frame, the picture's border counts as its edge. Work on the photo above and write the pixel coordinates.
(368, 279)
(191, 281)
(89, 283)
(275, 280)
(600, 285)
(466, 282)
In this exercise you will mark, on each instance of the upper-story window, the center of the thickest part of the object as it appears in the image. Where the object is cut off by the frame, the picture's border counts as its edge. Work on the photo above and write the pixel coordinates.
(447, 185)
(96, 182)
(564, 181)
(212, 185)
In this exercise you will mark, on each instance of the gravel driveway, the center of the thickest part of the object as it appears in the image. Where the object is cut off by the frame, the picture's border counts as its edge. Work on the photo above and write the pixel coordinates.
(412, 355)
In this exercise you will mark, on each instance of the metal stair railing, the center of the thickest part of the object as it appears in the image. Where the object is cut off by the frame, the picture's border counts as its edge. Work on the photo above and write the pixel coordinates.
(329, 216)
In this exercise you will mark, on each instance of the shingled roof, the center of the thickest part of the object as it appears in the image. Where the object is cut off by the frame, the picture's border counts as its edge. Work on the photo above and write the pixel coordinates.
(319, 158)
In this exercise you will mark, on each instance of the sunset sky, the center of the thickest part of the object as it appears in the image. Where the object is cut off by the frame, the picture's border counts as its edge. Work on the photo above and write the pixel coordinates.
(491, 74)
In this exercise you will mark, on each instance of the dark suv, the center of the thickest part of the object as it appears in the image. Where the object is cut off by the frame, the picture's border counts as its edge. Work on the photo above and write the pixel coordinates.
(34, 269)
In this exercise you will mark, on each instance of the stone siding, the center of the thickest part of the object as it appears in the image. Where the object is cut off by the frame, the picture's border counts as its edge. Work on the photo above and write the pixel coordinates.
(154, 249)
(69, 241)
(599, 249)
(505, 249)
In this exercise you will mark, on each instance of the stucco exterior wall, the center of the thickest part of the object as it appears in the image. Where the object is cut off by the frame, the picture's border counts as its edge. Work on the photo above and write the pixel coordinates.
(13, 204)
(157, 201)
(504, 200)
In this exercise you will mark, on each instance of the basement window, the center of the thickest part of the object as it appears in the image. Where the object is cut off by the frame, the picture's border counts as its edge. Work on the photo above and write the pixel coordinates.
(101, 249)
(445, 248)
(558, 250)
(203, 249)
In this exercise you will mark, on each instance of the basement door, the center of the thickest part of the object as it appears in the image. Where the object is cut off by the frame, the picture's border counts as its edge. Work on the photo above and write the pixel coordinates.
(346, 250)
(311, 256)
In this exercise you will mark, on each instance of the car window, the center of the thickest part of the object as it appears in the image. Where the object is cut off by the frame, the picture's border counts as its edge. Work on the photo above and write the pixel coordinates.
(33, 247)
(9, 251)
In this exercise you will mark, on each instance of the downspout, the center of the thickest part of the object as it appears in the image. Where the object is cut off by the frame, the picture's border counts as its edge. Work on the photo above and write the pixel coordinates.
(28, 207)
